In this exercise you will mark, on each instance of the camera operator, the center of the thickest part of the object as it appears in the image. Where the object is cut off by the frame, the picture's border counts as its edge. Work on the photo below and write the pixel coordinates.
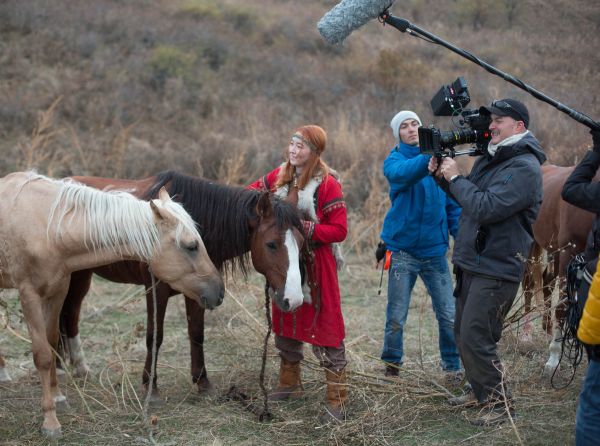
(580, 191)
(415, 230)
(500, 199)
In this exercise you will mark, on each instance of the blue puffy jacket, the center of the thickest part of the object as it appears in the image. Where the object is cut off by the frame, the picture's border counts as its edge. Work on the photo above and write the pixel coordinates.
(421, 214)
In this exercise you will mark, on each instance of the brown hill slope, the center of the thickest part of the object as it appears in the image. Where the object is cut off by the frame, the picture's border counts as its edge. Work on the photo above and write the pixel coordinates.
(214, 87)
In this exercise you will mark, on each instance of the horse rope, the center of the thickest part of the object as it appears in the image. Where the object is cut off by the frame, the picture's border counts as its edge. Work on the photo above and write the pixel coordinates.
(265, 415)
(153, 365)
(571, 348)
(235, 394)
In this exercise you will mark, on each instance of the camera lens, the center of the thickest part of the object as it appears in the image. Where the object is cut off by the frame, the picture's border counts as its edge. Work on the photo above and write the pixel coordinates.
(457, 137)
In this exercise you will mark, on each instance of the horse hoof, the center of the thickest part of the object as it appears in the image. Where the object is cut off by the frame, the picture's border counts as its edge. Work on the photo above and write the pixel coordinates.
(81, 372)
(204, 385)
(61, 404)
(156, 400)
(4, 376)
(549, 370)
(51, 434)
(61, 375)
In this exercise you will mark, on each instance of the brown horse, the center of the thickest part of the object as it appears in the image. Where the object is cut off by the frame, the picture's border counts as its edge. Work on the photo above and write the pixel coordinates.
(561, 230)
(232, 221)
(51, 228)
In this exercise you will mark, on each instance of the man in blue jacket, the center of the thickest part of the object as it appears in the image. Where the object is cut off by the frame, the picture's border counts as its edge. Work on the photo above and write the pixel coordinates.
(415, 230)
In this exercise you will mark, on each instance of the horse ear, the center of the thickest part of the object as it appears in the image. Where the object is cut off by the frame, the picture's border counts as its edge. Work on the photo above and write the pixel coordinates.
(264, 208)
(156, 210)
(163, 195)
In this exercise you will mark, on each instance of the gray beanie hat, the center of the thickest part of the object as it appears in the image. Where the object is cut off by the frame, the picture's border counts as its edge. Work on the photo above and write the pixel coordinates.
(399, 119)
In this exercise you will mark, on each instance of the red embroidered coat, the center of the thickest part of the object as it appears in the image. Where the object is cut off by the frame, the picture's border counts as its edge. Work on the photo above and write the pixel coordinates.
(328, 327)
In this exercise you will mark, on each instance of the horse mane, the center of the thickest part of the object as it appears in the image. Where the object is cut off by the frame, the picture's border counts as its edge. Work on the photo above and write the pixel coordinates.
(113, 219)
(222, 214)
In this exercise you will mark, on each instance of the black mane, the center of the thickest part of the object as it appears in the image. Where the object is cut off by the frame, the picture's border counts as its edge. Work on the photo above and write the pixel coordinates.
(222, 214)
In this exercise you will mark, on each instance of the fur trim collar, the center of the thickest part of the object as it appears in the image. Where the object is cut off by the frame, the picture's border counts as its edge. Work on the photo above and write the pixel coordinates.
(305, 197)
(306, 205)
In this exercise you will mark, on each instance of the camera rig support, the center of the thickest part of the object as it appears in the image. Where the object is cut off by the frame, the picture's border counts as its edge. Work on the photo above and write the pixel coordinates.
(451, 100)
(404, 25)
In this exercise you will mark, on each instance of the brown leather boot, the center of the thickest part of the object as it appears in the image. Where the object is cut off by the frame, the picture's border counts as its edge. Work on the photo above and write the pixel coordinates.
(290, 385)
(337, 394)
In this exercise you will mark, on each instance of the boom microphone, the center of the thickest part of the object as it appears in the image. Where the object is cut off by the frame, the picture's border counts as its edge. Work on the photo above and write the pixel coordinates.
(349, 15)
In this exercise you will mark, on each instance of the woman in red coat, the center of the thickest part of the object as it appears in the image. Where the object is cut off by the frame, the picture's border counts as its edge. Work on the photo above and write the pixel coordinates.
(306, 178)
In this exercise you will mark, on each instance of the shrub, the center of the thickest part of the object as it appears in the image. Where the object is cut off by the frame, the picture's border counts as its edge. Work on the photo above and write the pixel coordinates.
(396, 71)
(478, 13)
(243, 19)
(201, 9)
(169, 61)
(214, 52)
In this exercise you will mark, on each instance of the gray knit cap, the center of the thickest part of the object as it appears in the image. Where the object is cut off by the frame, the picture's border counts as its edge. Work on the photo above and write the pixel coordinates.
(399, 119)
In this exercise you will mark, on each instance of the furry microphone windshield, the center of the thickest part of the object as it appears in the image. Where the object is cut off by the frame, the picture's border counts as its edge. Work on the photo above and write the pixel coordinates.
(349, 15)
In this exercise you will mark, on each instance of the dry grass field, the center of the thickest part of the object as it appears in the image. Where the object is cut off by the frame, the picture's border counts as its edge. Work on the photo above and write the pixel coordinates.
(213, 88)
(106, 408)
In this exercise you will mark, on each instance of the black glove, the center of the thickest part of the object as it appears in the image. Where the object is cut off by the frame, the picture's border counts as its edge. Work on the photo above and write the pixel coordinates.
(596, 139)
(380, 251)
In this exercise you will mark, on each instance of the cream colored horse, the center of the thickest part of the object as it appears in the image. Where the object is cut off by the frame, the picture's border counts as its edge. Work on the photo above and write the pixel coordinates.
(51, 228)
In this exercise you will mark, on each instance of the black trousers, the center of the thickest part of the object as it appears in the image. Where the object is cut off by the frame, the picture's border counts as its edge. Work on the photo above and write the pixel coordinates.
(481, 306)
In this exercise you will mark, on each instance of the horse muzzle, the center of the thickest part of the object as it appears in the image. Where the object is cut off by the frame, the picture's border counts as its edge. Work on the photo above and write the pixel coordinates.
(212, 294)
(285, 302)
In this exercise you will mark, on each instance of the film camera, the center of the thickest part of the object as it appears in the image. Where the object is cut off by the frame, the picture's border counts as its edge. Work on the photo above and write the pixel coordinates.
(473, 126)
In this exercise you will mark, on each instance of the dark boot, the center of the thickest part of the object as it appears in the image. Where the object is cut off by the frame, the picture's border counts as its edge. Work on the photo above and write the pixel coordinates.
(337, 394)
(289, 385)
(392, 370)
(492, 415)
(498, 409)
(467, 400)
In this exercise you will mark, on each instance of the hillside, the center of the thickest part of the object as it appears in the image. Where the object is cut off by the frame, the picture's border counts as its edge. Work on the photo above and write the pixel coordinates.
(213, 88)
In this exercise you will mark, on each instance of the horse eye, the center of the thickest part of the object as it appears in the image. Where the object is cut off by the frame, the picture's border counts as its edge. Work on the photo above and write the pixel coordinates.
(192, 247)
(272, 246)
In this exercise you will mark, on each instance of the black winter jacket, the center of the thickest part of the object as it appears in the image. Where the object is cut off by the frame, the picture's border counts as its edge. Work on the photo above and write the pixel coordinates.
(500, 200)
(581, 192)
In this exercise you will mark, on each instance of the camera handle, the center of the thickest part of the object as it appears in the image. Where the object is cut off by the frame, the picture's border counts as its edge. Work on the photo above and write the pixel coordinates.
(451, 153)
(404, 25)
(473, 151)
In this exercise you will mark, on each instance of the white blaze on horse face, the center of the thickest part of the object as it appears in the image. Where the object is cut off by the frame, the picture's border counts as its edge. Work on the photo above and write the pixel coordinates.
(293, 281)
